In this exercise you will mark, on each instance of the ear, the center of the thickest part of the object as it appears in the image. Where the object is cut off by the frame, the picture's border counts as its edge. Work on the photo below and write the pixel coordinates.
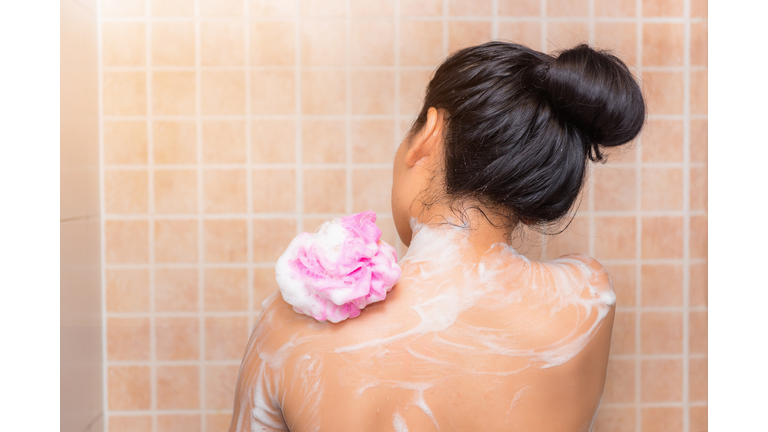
(428, 141)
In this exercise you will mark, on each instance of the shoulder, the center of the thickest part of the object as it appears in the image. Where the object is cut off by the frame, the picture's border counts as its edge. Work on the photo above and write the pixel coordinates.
(590, 271)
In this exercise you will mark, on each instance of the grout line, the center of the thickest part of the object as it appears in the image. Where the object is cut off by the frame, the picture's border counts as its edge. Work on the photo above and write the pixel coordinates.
(299, 141)
(348, 112)
(686, 208)
(544, 26)
(150, 222)
(528, 18)
(249, 161)
(494, 19)
(200, 210)
(444, 18)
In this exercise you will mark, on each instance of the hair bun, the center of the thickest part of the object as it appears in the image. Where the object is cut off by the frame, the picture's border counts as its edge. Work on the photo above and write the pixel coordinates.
(595, 92)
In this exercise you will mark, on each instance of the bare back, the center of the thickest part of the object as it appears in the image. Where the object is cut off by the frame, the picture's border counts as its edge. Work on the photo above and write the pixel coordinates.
(463, 342)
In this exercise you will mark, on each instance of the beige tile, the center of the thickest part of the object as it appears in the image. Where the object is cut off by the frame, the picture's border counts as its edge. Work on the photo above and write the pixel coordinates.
(225, 240)
(323, 141)
(173, 93)
(575, 239)
(323, 43)
(179, 423)
(224, 191)
(615, 8)
(325, 190)
(178, 387)
(372, 43)
(273, 43)
(699, 140)
(123, 44)
(222, 43)
(172, 8)
(661, 189)
(462, 34)
(526, 33)
(127, 339)
(226, 289)
(615, 237)
(273, 92)
(698, 285)
(565, 34)
(661, 380)
(264, 284)
(619, 38)
(175, 241)
(122, 8)
(126, 242)
(663, 92)
(421, 7)
(324, 8)
(273, 141)
(127, 290)
(413, 88)
(217, 421)
(368, 8)
(662, 141)
(698, 415)
(175, 142)
(662, 8)
(661, 332)
(699, 10)
(124, 93)
(662, 237)
(126, 191)
(662, 419)
(663, 44)
(519, 7)
(220, 384)
(699, 188)
(129, 423)
(225, 337)
(624, 335)
(616, 419)
(615, 188)
(173, 43)
(699, 95)
(274, 190)
(699, 330)
(224, 142)
(176, 290)
(373, 141)
(177, 338)
(373, 92)
(469, 7)
(323, 92)
(698, 369)
(222, 92)
(222, 8)
(128, 388)
(271, 237)
(699, 43)
(567, 8)
(619, 382)
(372, 190)
(421, 43)
(624, 279)
(176, 191)
(662, 285)
(125, 142)
(268, 8)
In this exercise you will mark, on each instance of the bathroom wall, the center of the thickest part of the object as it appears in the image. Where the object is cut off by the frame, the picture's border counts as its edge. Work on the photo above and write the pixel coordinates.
(81, 358)
(229, 126)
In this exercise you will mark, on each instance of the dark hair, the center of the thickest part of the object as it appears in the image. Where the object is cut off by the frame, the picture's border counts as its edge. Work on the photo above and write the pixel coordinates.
(522, 124)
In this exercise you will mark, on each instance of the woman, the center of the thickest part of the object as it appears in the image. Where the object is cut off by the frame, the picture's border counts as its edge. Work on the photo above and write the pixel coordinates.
(474, 336)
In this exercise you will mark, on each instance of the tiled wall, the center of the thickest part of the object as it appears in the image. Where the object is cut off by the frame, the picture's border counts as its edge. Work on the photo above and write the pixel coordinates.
(229, 126)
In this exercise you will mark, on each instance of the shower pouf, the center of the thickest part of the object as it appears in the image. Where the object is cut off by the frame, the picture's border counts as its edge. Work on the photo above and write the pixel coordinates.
(338, 270)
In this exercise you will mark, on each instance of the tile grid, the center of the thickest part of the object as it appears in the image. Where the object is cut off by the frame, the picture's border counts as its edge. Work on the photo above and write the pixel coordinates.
(200, 169)
(639, 232)
(686, 209)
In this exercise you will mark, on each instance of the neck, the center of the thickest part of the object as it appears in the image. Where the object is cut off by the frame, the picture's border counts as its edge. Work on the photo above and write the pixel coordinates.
(483, 227)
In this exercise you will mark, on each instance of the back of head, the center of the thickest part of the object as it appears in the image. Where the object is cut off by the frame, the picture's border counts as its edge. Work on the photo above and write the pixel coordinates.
(521, 125)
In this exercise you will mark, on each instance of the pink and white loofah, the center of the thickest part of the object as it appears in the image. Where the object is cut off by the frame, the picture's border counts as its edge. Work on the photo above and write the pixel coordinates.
(335, 272)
